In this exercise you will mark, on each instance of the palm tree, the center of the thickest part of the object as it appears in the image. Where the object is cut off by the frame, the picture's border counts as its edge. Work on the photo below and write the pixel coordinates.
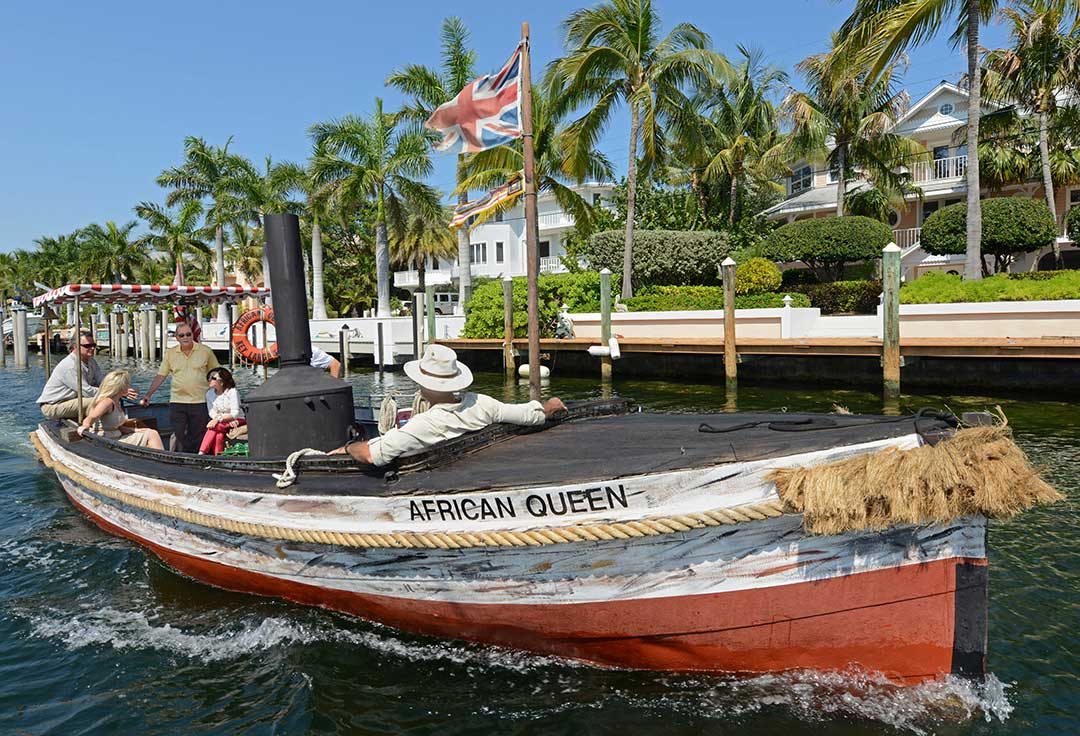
(742, 142)
(555, 172)
(428, 89)
(111, 251)
(845, 117)
(379, 159)
(423, 234)
(1041, 64)
(201, 176)
(174, 235)
(315, 209)
(245, 250)
(880, 30)
(616, 55)
(248, 193)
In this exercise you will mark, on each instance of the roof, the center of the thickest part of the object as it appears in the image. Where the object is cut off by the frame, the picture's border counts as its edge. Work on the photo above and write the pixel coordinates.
(149, 294)
(812, 199)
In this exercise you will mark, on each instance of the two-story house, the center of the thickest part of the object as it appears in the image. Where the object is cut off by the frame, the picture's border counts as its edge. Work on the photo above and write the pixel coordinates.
(498, 245)
(933, 122)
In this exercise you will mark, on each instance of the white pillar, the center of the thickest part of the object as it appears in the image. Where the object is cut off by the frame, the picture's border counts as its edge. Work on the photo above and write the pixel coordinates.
(18, 336)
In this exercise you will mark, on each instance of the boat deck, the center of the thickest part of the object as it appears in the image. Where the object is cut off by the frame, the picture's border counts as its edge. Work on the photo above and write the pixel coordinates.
(570, 452)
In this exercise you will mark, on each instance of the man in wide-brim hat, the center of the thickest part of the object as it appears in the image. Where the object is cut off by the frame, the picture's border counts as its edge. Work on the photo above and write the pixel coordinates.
(442, 378)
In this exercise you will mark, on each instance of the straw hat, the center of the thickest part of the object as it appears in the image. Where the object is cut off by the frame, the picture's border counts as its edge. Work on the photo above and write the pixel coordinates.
(439, 370)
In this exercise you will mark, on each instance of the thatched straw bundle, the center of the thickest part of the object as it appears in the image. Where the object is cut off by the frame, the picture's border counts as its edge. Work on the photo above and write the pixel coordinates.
(980, 470)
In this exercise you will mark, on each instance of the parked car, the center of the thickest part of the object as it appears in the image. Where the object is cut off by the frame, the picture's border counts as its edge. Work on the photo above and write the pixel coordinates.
(445, 302)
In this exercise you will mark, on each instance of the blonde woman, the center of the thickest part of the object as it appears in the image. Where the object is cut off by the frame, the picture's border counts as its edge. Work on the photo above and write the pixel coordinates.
(107, 418)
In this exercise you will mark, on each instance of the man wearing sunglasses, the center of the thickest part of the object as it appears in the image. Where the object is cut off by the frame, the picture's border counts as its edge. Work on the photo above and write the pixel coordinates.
(59, 399)
(187, 364)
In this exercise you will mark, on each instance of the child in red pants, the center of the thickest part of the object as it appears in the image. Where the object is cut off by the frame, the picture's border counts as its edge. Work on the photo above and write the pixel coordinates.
(223, 404)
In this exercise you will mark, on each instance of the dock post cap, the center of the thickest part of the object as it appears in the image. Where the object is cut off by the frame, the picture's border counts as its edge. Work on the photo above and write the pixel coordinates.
(606, 270)
(891, 248)
(729, 261)
(506, 277)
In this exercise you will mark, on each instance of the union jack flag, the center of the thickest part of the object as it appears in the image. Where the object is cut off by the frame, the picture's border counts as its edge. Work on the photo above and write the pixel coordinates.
(487, 113)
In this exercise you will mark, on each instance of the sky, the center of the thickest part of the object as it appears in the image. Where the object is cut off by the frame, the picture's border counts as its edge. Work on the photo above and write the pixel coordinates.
(97, 98)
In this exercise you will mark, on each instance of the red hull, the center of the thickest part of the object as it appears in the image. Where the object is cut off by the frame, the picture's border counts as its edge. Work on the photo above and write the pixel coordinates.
(901, 622)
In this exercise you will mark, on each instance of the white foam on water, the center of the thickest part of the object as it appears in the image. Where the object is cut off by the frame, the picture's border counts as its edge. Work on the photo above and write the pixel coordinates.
(818, 696)
(135, 630)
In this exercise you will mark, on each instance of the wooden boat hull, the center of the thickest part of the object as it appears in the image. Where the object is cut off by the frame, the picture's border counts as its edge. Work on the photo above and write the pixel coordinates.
(757, 595)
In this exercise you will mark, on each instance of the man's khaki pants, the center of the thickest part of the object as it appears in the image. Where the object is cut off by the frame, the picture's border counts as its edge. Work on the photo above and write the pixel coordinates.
(67, 409)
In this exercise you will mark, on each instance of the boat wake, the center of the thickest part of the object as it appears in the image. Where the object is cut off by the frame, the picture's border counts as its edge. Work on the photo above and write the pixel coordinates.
(809, 696)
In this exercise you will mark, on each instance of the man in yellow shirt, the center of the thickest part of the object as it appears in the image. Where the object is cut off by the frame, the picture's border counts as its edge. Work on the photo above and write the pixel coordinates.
(187, 364)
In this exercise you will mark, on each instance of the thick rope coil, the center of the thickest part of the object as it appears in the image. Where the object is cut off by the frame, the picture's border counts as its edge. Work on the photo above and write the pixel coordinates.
(387, 414)
(286, 479)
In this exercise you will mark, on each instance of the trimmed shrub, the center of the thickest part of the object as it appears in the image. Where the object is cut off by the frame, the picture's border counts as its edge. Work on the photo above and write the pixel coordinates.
(825, 244)
(944, 288)
(579, 291)
(795, 276)
(1072, 223)
(834, 297)
(1010, 225)
(691, 298)
(757, 276)
(662, 257)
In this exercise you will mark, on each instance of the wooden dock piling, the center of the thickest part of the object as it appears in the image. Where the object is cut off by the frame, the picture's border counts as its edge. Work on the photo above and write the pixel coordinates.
(605, 322)
(890, 312)
(429, 300)
(19, 336)
(343, 350)
(731, 359)
(3, 342)
(508, 327)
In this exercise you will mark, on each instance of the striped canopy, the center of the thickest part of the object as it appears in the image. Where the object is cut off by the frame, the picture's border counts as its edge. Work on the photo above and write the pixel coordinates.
(148, 294)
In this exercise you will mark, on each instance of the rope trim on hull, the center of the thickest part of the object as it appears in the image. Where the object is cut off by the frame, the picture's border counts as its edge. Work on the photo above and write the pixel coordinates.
(646, 527)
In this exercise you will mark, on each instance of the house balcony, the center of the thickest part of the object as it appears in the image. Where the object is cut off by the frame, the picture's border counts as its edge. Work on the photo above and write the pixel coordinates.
(555, 220)
(952, 168)
(907, 237)
(411, 279)
(552, 264)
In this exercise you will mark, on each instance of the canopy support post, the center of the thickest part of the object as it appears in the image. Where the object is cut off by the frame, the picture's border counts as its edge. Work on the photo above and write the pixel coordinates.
(78, 361)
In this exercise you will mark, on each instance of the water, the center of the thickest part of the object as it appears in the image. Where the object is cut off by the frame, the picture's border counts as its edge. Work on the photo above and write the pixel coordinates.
(97, 637)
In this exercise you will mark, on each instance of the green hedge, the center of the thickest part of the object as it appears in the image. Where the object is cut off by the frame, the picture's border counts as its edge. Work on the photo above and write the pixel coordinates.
(579, 291)
(662, 257)
(1010, 225)
(692, 298)
(943, 288)
(827, 243)
(795, 276)
(757, 276)
(833, 297)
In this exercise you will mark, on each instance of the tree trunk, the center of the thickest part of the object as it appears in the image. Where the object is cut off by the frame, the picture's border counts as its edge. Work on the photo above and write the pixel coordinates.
(841, 179)
(631, 184)
(464, 254)
(1048, 179)
(382, 263)
(421, 275)
(734, 193)
(219, 247)
(699, 189)
(973, 265)
(318, 299)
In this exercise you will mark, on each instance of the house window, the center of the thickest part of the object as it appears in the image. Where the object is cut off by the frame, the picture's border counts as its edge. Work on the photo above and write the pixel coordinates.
(946, 109)
(434, 264)
(498, 216)
(802, 179)
(894, 218)
(834, 173)
(941, 152)
(498, 251)
(596, 199)
(929, 208)
(1074, 198)
(479, 253)
(544, 248)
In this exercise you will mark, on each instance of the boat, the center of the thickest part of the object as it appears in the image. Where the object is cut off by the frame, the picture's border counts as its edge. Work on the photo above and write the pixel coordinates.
(612, 536)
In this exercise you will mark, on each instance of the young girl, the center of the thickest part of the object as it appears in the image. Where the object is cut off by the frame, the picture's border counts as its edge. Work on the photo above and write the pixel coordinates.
(223, 403)
(107, 418)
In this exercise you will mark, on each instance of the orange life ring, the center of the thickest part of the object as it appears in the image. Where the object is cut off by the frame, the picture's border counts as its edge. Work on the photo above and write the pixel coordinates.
(247, 351)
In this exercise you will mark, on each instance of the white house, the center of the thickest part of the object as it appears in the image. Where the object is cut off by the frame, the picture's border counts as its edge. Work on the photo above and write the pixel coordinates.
(933, 122)
(498, 246)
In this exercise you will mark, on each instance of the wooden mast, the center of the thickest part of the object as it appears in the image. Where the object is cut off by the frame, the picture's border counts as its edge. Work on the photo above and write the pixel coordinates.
(532, 257)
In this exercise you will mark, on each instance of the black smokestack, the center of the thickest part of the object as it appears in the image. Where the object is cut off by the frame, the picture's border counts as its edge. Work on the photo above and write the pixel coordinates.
(299, 406)
(284, 254)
